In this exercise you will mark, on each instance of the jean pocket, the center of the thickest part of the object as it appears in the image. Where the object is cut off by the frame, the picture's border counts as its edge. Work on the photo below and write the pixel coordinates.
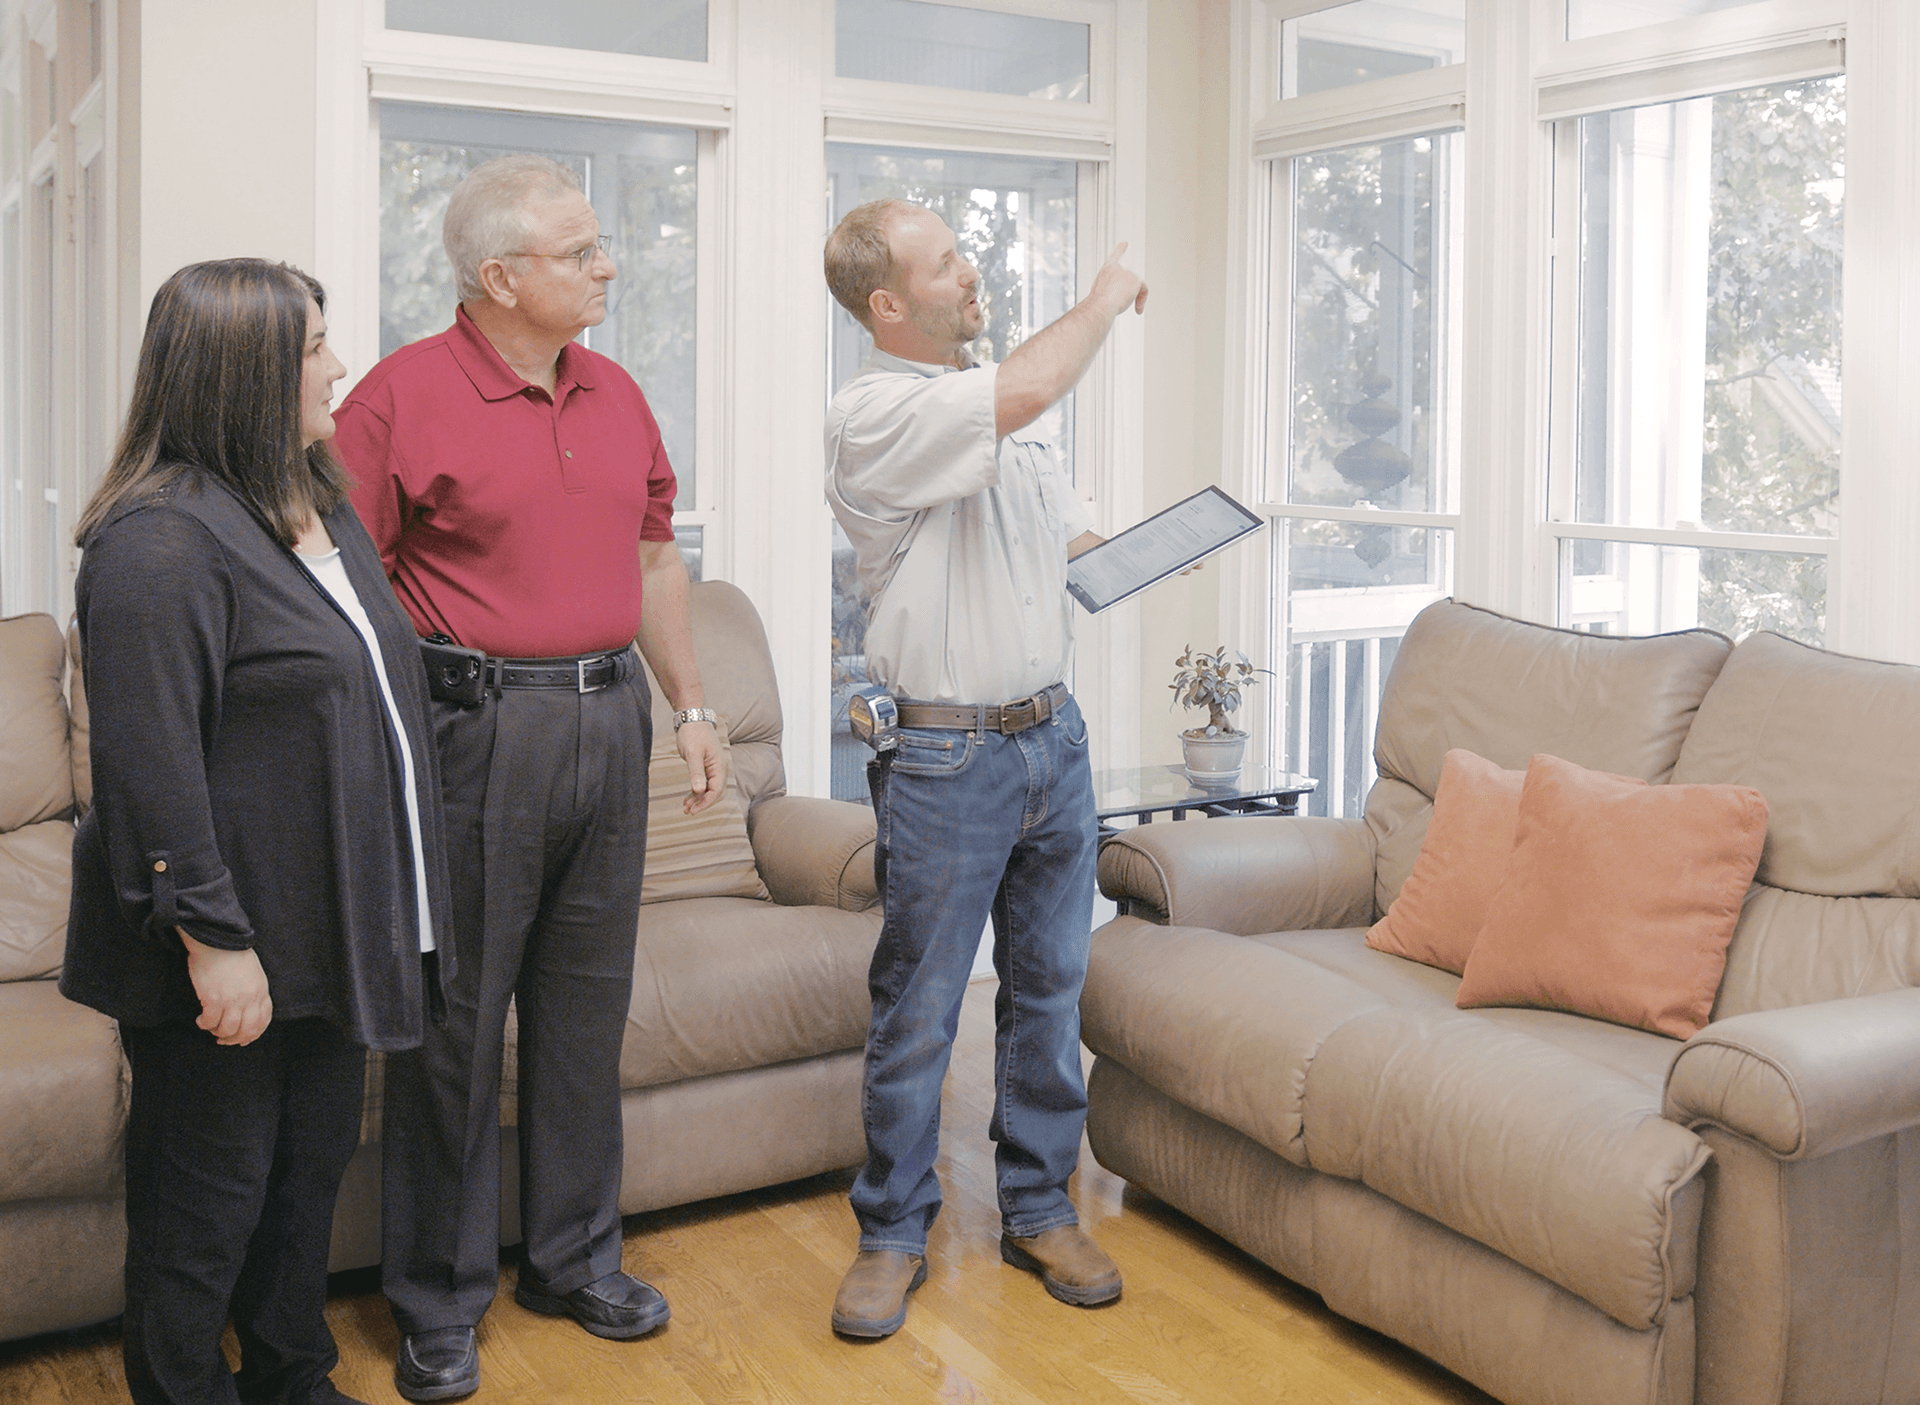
(933, 753)
(1073, 724)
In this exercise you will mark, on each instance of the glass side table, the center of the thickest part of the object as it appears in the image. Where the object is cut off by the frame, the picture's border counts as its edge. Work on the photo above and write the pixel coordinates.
(1150, 790)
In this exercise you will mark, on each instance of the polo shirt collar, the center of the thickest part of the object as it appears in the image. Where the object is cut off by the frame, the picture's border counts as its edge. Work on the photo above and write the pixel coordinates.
(887, 361)
(489, 371)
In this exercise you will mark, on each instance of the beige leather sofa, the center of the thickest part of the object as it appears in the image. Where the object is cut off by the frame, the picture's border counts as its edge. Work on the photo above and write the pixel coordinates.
(1558, 1209)
(741, 1066)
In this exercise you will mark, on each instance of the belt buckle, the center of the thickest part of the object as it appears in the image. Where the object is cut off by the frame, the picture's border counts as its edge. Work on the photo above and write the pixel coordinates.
(1029, 706)
(580, 667)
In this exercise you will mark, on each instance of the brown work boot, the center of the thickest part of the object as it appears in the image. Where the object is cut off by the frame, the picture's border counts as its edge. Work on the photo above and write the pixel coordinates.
(1074, 1268)
(872, 1301)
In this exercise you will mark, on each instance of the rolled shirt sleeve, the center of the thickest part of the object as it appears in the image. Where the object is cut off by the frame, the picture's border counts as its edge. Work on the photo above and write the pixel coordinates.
(157, 605)
(898, 444)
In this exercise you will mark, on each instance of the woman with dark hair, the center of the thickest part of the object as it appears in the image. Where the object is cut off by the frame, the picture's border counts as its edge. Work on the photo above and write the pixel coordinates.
(260, 884)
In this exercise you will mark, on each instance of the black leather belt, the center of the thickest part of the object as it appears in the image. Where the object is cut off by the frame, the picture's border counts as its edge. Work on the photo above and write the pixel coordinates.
(1006, 719)
(586, 673)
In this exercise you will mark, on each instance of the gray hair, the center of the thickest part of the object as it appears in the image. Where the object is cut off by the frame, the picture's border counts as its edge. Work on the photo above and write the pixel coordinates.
(858, 258)
(486, 218)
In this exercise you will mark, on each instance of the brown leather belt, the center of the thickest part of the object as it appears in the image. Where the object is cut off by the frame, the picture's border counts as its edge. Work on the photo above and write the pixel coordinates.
(1006, 719)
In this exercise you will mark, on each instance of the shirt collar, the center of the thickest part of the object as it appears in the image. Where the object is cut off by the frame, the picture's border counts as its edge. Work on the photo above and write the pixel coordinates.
(887, 361)
(494, 378)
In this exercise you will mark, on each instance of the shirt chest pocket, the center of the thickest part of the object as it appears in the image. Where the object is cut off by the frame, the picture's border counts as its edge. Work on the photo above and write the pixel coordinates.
(1035, 460)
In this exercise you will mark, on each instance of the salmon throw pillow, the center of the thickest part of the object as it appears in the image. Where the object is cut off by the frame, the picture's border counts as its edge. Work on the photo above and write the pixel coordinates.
(1620, 898)
(1440, 908)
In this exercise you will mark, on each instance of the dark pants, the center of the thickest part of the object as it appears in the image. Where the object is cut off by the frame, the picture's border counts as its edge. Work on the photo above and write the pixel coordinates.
(546, 819)
(234, 1159)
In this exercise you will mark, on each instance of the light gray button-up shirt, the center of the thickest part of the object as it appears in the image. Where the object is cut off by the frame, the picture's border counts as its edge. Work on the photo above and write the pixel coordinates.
(961, 535)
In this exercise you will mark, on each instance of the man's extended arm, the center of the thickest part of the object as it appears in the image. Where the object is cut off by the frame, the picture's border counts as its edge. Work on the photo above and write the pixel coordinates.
(666, 640)
(1050, 363)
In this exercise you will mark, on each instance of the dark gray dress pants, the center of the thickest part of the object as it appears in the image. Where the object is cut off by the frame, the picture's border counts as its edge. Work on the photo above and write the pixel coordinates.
(546, 819)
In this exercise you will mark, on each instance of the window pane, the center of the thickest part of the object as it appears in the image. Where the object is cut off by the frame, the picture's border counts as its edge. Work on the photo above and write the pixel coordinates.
(1632, 588)
(667, 29)
(948, 46)
(1369, 39)
(642, 181)
(1708, 339)
(691, 542)
(1014, 217)
(1589, 17)
(1351, 590)
(1374, 402)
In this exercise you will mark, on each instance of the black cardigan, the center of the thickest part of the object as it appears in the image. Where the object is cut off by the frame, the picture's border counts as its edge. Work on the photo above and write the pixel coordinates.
(246, 784)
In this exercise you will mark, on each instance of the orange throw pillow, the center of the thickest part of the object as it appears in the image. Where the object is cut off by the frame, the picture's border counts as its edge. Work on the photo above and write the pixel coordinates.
(1620, 898)
(1440, 908)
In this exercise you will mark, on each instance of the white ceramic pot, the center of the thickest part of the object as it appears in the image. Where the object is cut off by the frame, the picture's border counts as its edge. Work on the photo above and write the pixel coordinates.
(1214, 760)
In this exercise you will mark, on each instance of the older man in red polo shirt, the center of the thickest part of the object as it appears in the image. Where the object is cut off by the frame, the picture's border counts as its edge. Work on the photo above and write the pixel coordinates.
(518, 491)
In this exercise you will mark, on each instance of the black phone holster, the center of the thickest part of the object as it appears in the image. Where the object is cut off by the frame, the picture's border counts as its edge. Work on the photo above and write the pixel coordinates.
(454, 674)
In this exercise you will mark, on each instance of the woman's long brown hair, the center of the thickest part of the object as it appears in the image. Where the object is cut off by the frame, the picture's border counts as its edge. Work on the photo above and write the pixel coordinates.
(217, 392)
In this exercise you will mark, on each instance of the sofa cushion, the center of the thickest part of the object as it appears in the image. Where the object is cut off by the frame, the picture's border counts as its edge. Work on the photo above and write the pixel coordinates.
(1619, 898)
(1559, 1163)
(1260, 1015)
(36, 873)
(63, 1095)
(1799, 948)
(728, 983)
(36, 767)
(1507, 690)
(1830, 741)
(703, 855)
(1443, 904)
(1633, 1053)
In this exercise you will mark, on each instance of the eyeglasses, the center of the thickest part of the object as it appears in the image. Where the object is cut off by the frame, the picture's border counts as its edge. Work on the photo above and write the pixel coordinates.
(581, 258)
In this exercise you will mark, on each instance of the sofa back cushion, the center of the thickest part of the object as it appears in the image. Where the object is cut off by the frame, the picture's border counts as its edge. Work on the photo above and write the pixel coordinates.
(36, 765)
(1507, 691)
(1834, 745)
(703, 855)
(736, 669)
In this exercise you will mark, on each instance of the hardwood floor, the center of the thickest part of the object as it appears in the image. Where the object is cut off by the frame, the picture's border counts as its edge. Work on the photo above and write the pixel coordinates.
(751, 1278)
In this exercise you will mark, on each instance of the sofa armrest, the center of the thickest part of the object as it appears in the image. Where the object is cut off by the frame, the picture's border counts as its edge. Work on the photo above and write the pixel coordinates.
(1244, 875)
(813, 852)
(1806, 1080)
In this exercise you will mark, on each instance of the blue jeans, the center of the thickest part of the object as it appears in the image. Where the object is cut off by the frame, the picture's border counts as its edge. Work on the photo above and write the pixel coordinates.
(976, 824)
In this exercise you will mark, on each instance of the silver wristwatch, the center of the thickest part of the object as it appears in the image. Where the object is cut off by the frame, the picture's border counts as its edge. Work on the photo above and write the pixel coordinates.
(695, 714)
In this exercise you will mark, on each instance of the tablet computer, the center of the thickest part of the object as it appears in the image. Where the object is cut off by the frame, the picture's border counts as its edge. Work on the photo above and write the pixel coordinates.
(1152, 550)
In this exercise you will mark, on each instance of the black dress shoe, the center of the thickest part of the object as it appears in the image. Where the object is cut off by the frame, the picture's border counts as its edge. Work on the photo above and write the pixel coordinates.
(618, 1306)
(443, 1364)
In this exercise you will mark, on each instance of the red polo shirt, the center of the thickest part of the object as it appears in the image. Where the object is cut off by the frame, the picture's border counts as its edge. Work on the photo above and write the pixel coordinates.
(508, 520)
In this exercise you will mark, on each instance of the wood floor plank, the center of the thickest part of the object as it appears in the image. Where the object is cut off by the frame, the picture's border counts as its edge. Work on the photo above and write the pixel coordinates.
(752, 1277)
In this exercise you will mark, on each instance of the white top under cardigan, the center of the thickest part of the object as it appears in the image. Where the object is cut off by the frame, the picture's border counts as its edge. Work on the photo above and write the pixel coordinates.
(961, 535)
(332, 575)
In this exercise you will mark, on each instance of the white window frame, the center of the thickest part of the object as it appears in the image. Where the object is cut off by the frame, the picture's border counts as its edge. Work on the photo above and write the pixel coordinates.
(1278, 130)
(1521, 74)
(1665, 63)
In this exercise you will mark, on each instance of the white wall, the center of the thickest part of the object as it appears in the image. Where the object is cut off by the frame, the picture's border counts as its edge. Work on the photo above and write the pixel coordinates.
(1186, 331)
(225, 93)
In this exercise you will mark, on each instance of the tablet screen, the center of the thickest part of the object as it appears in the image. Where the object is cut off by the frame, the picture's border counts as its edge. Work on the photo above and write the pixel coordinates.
(1165, 543)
